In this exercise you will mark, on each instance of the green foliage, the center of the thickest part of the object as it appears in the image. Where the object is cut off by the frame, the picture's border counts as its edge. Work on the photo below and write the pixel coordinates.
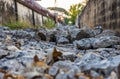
(74, 11)
(19, 25)
(48, 23)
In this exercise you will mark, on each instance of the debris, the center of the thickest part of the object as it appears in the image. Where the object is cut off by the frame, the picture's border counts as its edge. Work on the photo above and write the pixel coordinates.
(64, 52)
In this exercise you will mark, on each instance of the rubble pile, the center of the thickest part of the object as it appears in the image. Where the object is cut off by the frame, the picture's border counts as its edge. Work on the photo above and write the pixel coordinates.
(64, 52)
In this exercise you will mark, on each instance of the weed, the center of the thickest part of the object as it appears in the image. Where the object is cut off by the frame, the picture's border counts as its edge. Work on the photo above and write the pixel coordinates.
(48, 23)
(19, 25)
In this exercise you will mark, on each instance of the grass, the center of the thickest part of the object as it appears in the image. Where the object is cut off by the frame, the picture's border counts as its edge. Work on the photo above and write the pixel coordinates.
(48, 23)
(19, 25)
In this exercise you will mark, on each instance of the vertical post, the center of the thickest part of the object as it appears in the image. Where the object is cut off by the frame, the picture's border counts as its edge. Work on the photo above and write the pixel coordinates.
(2, 7)
(16, 10)
(33, 17)
(55, 5)
(42, 20)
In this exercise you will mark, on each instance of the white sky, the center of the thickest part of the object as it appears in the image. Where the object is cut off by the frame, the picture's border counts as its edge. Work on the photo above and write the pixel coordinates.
(60, 3)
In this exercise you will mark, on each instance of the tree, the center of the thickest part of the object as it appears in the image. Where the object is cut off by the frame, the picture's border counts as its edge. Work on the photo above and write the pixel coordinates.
(74, 11)
(59, 9)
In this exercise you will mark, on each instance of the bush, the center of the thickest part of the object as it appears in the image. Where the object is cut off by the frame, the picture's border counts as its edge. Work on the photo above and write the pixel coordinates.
(48, 23)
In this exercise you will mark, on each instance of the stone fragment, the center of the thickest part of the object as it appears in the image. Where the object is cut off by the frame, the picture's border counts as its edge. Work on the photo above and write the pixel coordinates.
(3, 53)
(106, 41)
(12, 48)
(113, 75)
(69, 56)
(86, 43)
(89, 61)
(117, 47)
(77, 34)
(94, 73)
(107, 33)
(83, 44)
(53, 70)
(1, 75)
(41, 34)
(61, 75)
(63, 40)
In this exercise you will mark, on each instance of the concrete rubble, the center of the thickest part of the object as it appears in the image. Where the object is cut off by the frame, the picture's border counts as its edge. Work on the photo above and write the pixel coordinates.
(64, 52)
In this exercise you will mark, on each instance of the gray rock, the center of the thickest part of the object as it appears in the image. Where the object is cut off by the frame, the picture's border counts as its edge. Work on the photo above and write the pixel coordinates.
(71, 74)
(105, 54)
(61, 75)
(107, 33)
(4, 28)
(1, 75)
(94, 32)
(66, 66)
(0, 43)
(41, 34)
(104, 65)
(82, 77)
(106, 41)
(53, 70)
(11, 64)
(90, 50)
(115, 61)
(77, 34)
(63, 40)
(15, 55)
(57, 33)
(2, 35)
(116, 46)
(3, 53)
(85, 43)
(99, 29)
(12, 48)
(114, 53)
(94, 73)
(89, 60)
(52, 36)
(69, 56)
(22, 34)
(20, 41)
(105, 49)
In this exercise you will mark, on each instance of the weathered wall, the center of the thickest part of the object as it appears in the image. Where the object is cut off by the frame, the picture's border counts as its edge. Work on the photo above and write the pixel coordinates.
(9, 12)
(101, 12)
(39, 19)
(6, 11)
(24, 13)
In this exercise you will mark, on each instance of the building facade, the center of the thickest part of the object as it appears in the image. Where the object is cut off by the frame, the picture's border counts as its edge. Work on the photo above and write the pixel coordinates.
(101, 12)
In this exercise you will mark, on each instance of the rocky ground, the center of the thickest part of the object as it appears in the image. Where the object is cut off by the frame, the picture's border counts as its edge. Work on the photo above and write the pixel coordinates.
(64, 52)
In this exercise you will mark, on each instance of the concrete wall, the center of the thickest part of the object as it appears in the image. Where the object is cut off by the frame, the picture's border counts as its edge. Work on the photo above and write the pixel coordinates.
(8, 13)
(101, 12)
(24, 13)
(39, 19)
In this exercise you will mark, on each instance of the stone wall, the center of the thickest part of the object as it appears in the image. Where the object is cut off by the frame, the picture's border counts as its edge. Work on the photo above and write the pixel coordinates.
(11, 12)
(101, 12)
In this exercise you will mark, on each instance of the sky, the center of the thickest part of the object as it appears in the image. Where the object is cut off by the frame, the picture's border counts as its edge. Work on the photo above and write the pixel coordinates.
(60, 3)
